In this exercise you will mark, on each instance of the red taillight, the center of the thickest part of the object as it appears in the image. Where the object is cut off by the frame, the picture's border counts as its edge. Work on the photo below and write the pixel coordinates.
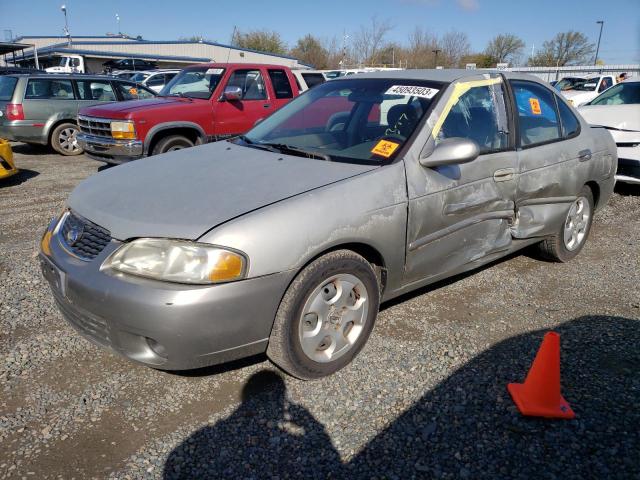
(15, 111)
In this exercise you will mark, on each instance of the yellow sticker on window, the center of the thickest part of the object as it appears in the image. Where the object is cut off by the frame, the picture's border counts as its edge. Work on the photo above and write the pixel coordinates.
(535, 106)
(385, 148)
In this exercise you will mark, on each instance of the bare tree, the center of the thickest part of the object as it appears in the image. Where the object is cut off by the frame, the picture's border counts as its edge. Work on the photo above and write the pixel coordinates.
(420, 51)
(565, 48)
(455, 45)
(505, 48)
(369, 39)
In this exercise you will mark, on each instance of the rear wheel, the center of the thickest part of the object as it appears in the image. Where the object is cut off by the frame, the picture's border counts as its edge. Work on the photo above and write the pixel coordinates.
(326, 316)
(171, 144)
(568, 242)
(64, 141)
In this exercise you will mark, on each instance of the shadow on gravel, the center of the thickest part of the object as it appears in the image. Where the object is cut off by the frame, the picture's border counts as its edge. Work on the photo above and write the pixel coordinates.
(22, 176)
(31, 149)
(466, 427)
(627, 189)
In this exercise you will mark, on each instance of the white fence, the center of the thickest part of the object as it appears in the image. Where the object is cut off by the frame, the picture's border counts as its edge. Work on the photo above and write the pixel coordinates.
(556, 73)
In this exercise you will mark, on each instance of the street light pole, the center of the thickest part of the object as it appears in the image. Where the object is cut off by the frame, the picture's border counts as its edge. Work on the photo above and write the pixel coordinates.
(66, 24)
(118, 20)
(595, 60)
(435, 61)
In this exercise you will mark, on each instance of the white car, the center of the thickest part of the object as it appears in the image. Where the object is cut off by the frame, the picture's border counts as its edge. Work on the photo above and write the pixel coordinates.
(155, 79)
(618, 110)
(586, 90)
(306, 79)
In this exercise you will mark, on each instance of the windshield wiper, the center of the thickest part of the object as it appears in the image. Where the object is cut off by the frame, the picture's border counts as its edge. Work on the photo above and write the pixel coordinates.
(290, 149)
(253, 144)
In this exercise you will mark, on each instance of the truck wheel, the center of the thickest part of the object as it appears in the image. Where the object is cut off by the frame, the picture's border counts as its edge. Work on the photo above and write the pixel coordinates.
(325, 316)
(64, 141)
(568, 242)
(172, 143)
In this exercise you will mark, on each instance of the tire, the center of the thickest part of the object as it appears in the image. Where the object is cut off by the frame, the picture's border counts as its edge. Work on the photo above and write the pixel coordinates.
(334, 336)
(172, 143)
(574, 231)
(63, 139)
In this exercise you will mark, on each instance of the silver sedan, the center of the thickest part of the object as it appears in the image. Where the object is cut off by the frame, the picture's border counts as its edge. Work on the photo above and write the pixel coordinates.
(286, 240)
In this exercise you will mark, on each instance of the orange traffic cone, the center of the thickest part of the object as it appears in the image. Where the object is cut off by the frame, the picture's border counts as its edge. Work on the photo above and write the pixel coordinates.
(539, 395)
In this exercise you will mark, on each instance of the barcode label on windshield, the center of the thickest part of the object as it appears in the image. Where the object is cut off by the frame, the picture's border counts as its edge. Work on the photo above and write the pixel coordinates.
(412, 90)
(213, 71)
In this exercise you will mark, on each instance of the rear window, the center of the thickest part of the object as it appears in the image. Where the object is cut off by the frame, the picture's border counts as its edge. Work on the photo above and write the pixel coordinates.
(313, 79)
(49, 89)
(7, 85)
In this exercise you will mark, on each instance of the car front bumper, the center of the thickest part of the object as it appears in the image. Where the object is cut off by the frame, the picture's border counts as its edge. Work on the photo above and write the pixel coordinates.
(628, 164)
(163, 325)
(110, 150)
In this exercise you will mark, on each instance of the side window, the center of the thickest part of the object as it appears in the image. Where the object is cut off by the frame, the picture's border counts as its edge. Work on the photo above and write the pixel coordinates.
(570, 124)
(604, 84)
(41, 88)
(537, 115)
(250, 82)
(130, 91)
(313, 79)
(479, 114)
(96, 90)
(281, 84)
(156, 81)
(168, 77)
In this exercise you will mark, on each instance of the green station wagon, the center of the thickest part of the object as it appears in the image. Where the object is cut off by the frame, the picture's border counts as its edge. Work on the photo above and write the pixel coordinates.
(43, 108)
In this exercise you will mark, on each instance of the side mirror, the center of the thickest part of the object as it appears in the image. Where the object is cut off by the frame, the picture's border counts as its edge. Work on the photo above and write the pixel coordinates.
(232, 94)
(451, 151)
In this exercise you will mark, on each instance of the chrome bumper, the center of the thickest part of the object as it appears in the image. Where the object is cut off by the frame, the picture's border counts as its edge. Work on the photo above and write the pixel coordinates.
(110, 150)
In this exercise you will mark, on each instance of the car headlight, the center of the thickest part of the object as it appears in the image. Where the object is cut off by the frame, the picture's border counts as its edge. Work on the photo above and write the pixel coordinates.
(178, 261)
(126, 130)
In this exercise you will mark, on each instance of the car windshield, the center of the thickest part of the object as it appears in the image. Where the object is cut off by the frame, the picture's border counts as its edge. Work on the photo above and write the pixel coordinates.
(194, 82)
(567, 83)
(7, 85)
(587, 85)
(620, 94)
(352, 120)
(139, 77)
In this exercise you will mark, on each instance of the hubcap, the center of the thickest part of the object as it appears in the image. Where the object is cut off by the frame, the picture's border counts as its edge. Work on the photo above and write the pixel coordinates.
(333, 318)
(68, 141)
(576, 224)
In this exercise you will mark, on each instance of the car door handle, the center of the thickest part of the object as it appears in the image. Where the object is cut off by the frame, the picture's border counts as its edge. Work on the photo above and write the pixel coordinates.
(584, 155)
(267, 105)
(503, 175)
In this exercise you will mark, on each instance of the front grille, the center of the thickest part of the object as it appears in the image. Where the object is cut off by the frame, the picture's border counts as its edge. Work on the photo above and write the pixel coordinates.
(97, 127)
(83, 238)
(91, 326)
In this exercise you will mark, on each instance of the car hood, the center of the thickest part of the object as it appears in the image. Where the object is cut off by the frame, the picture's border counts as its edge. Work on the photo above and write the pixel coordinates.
(184, 194)
(121, 109)
(579, 96)
(620, 117)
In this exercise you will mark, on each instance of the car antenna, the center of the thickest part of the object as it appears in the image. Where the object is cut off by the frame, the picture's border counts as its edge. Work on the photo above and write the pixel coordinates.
(233, 35)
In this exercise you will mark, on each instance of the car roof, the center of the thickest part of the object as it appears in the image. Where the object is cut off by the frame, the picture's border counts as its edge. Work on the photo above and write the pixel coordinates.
(74, 76)
(436, 75)
(235, 64)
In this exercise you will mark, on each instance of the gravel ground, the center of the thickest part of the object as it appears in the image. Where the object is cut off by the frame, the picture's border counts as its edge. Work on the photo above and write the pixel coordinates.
(426, 398)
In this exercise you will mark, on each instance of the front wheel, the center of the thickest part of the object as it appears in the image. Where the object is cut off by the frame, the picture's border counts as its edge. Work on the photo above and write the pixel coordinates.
(574, 231)
(64, 141)
(326, 316)
(171, 144)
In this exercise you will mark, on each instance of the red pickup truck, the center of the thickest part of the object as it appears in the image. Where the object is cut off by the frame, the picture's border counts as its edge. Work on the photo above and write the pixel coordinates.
(202, 103)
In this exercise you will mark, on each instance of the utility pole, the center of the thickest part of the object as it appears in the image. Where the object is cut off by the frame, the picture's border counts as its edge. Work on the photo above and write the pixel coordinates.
(595, 60)
(66, 25)
(435, 61)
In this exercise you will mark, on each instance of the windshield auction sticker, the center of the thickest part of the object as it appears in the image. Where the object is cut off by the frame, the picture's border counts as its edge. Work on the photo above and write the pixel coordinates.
(385, 148)
(213, 71)
(412, 90)
(535, 106)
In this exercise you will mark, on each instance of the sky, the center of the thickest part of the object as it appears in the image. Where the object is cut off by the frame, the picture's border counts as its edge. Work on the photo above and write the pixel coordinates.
(533, 20)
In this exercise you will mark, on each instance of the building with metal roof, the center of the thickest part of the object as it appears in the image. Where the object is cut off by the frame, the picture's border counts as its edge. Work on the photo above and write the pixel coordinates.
(166, 54)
